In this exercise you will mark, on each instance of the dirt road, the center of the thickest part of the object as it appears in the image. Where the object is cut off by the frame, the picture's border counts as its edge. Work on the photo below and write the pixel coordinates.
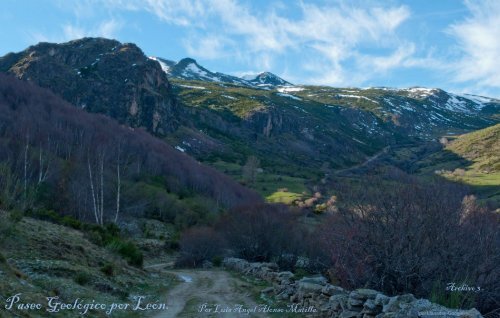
(216, 289)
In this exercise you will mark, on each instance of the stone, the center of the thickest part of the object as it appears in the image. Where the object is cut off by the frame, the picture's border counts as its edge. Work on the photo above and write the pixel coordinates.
(350, 314)
(472, 313)
(354, 302)
(339, 302)
(381, 299)
(267, 290)
(364, 293)
(331, 290)
(320, 280)
(370, 307)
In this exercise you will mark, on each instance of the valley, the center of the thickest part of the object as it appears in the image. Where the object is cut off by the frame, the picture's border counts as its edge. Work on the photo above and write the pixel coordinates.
(125, 175)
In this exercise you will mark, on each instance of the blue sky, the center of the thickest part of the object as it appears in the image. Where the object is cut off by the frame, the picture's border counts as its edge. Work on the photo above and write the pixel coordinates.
(451, 44)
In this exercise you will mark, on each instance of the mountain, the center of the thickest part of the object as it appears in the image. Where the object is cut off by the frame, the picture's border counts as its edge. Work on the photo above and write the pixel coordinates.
(298, 130)
(101, 76)
(298, 133)
(267, 79)
(189, 69)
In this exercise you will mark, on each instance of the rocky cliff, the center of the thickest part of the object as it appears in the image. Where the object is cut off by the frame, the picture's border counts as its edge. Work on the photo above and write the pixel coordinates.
(101, 76)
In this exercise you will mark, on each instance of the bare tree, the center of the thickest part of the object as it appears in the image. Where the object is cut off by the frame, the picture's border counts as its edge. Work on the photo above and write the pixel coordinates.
(249, 170)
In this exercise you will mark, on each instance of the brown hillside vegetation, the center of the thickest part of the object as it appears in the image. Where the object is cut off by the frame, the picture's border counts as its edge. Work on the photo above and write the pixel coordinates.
(59, 157)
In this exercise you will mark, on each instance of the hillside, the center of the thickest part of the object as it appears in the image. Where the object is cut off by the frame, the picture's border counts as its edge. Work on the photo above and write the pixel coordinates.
(481, 147)
(59, 157)
(472, 159)
(40, 259)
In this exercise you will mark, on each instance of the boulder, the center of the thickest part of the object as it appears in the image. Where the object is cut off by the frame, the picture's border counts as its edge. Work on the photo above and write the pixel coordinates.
(331, 290)
(364, 294)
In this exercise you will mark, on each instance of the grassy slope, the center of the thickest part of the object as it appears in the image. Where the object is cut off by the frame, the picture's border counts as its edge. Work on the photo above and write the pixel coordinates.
(43, 259)
(473, 159)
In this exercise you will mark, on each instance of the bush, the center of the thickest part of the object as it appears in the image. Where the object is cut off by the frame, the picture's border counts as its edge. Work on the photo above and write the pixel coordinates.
(3, 260)
(263, 233)
(128, 251)
(16, 216)
(108, 269)
(217, 261)
(82, 278)
(71, 222)
(198, 245)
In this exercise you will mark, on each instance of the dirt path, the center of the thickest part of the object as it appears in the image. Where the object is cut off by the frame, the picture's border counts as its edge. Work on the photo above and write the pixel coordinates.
(364, 163)
(210, 287)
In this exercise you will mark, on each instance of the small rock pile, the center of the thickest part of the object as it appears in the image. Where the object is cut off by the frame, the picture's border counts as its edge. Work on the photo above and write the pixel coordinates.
(333, 301)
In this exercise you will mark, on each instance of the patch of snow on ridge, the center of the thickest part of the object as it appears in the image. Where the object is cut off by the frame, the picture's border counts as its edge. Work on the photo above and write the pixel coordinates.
(358, 97)
(421, 92)
(180, 148)
(229, 97)
(193, 87)
(454, 104)
(480, 101)
(289, 96)
(164, 66)
(287, 89)
(195, 69)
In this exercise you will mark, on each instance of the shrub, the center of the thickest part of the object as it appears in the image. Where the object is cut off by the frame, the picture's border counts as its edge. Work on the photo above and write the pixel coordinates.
(263, 233)
(71, 222)
(128, 251)
(82, 278)
(217, 261)
(108, 269)
(3, 260)
(16, 216)
(199, 244)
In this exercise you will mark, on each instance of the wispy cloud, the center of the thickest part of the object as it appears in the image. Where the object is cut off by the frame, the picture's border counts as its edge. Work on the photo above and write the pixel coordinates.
(107, 29)
(478, 42)
(332, 32)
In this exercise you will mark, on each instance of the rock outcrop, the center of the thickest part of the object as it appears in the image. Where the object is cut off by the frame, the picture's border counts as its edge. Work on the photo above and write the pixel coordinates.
(335, 302)
(101, 76)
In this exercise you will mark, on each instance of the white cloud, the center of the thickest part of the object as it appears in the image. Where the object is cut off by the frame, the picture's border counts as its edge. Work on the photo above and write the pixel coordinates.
(107, 29)
(207, 47)
(332, 32)
(478, 40)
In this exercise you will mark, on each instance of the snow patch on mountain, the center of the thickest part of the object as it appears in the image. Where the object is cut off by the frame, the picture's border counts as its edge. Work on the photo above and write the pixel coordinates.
(193, 87)
(164, 66)
(289, 96)
(420, 92)
(455, 103)
(290, 89)
(358, 97)
(480, 101)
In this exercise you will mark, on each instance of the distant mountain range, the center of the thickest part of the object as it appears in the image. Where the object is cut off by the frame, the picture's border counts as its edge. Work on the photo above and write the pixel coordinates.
(189, 69)
(295, 130)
